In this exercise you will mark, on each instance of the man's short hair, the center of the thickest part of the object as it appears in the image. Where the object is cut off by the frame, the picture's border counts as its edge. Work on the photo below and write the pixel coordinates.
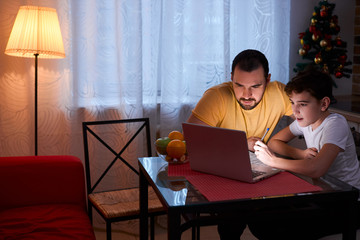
(317, 83)
(250, 60)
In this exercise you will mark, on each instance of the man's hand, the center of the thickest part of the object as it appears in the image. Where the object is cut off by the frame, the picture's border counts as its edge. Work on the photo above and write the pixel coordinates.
(251, 143)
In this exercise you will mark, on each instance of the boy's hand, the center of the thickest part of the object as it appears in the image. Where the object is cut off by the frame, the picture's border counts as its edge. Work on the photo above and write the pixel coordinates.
(263, 153)
(251, 142)
(310, 153)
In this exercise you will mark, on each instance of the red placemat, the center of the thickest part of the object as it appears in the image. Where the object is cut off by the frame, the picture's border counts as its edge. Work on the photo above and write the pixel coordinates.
(216, 188)
(182, 170)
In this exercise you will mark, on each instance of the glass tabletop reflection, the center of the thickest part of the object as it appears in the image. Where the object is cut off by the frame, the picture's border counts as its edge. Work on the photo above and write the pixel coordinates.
(175, 190)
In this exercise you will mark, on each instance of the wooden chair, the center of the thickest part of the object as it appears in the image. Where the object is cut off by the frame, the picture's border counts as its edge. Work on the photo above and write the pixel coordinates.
(122, 203)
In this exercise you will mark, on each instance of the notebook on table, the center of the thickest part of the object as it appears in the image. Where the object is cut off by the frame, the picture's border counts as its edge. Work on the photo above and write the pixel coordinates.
(223, 152)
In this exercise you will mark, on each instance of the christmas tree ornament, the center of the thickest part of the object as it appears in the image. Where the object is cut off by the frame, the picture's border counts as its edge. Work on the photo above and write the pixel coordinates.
(338, 74)
(317, 60)
(315, 37)
(323, 12)
(313, 21)
(323, 43)
(302, 52)
(338, 41)
(302, 41)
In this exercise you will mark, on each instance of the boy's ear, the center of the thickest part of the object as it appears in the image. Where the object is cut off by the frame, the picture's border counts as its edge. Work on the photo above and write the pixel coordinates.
(325, 103)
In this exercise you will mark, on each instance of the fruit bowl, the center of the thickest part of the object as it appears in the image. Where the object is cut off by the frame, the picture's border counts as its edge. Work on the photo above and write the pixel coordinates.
(171, 160)
(172, 151)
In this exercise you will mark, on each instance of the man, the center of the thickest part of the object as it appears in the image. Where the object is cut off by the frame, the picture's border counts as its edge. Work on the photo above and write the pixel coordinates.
(250, 102)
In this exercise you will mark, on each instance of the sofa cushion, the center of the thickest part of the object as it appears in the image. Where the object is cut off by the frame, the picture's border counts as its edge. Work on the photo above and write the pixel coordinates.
(31, 180)
(55, 221)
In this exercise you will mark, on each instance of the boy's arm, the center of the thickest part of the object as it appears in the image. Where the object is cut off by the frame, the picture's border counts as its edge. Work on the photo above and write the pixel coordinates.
(278, 144)
(319, 165)
(314, 167)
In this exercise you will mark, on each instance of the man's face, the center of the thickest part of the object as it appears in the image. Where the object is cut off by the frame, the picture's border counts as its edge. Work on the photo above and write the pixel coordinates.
(249, 87)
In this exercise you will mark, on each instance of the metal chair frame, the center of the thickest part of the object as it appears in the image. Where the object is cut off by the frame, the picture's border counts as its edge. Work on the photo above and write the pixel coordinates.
(91, 188)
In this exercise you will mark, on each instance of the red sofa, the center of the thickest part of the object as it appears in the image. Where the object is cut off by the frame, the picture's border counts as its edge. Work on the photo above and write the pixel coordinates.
(43, 197)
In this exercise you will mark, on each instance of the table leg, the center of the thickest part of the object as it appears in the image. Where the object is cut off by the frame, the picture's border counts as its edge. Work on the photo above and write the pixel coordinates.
(174, 219)
(350, 221)
(143, 206)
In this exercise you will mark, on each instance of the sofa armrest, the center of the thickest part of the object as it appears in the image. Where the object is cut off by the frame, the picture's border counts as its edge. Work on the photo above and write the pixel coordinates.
(34, 180)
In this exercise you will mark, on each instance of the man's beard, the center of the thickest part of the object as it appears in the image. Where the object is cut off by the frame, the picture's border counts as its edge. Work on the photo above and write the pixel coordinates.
(248, 107)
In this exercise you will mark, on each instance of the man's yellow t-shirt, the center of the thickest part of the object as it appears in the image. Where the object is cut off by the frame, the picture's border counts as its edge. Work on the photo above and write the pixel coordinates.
(219, 108)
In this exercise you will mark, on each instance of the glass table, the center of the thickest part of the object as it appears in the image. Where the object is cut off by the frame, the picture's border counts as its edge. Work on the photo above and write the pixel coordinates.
(181, 198)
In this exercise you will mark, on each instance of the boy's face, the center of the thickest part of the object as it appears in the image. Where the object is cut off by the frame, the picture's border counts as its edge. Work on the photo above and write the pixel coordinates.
(307, 109)
(249, 87)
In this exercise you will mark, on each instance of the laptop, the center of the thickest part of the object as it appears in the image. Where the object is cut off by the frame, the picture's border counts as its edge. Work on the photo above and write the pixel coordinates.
(223, 152)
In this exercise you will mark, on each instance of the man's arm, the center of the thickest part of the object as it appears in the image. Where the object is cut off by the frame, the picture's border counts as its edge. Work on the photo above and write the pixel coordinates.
(193, 119)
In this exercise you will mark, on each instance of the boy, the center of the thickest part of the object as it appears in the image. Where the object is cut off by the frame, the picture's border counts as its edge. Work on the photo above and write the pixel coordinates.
(331, 148)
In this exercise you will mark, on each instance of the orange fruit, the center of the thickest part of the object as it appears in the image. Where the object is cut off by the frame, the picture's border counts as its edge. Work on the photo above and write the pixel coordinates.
(176, 148)
(176, 135)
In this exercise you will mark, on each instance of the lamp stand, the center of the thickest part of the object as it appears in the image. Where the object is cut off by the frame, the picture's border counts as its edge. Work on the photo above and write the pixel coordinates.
(36, 102)
(36, 31)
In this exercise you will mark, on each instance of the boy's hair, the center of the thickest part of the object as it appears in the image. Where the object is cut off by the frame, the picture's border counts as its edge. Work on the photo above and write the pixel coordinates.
(250, 60)
(317, 83)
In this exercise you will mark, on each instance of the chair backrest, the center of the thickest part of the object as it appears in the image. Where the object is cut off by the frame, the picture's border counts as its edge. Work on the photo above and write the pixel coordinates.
(111, 151)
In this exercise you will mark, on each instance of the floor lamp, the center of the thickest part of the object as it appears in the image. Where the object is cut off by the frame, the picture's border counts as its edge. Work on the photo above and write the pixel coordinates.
(36, 33)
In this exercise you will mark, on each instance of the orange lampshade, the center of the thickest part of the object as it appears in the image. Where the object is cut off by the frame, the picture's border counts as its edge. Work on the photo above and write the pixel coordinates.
(36, 31)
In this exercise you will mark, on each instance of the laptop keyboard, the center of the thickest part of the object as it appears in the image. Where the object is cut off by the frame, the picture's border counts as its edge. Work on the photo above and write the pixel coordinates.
(254, 160)
(257, 173)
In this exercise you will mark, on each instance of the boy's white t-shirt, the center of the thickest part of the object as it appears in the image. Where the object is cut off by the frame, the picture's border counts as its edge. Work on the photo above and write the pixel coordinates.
(334, 129)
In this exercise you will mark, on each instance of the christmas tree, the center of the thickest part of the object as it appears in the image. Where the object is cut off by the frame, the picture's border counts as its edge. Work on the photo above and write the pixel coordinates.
(322, 45)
